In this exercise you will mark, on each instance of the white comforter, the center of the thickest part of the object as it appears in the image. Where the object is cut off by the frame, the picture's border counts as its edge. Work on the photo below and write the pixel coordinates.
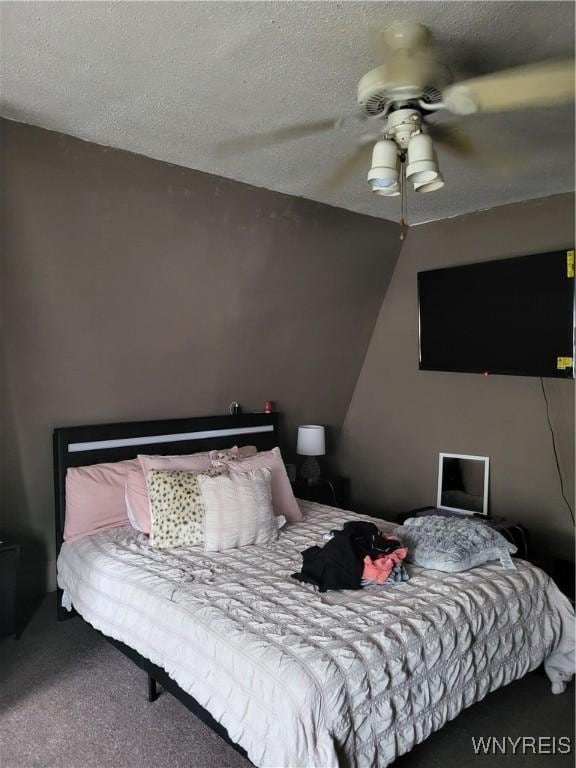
(301, 679)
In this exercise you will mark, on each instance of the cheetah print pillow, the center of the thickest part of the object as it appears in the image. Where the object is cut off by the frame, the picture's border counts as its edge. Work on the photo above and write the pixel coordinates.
(177, 507)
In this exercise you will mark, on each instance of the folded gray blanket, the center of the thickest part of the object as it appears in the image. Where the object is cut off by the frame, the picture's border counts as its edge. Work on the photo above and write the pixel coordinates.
(452, 544)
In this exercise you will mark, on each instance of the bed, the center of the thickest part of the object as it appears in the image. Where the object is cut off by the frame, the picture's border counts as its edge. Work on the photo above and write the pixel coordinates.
(290, 676)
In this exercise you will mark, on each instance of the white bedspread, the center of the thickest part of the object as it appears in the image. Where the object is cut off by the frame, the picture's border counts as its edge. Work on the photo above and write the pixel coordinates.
(302, 679)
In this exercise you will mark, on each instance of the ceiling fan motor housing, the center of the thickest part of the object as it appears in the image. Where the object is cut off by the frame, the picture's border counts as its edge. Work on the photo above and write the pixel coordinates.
(375, 90)
(406, 78)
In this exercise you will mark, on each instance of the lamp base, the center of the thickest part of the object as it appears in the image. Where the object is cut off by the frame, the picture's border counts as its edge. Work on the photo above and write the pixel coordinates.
(310, 470)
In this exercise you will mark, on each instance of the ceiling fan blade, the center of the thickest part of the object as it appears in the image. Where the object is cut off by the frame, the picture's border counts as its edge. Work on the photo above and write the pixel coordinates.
(535, 85)
(278, 136)
(453, 138)
(357, 161)
(493, 149)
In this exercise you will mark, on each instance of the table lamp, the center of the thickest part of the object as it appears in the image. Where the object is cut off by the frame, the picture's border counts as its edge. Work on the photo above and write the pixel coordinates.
(311, 443)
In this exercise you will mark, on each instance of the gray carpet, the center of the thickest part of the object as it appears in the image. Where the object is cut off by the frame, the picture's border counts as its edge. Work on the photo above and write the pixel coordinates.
(70, 700)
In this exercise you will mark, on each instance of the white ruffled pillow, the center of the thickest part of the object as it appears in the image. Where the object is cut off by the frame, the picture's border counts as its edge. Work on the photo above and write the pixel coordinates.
(283, 501)
(238, 510)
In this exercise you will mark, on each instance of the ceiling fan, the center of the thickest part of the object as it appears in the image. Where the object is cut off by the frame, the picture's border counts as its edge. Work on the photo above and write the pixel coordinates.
(400, 97)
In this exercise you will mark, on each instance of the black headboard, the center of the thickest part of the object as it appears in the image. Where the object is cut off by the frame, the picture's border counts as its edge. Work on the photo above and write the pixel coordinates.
(80, 446)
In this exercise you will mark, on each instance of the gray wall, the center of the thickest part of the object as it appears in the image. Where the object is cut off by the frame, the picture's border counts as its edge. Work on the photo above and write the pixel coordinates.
(400, 418)
(133, 289)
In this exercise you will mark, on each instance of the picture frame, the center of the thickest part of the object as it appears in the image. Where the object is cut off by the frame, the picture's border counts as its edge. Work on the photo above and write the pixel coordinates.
(463, 483)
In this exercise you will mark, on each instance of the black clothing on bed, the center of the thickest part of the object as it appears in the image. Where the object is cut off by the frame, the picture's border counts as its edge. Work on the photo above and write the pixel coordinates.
(340, 562)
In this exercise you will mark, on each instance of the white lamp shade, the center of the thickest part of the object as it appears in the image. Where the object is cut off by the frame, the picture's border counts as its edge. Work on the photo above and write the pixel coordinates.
(422, 166)
(430, 186)
(383, 174)
(311, 441)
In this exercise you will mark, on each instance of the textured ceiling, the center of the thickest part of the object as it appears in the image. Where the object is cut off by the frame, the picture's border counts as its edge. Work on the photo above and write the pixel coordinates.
(170, 79)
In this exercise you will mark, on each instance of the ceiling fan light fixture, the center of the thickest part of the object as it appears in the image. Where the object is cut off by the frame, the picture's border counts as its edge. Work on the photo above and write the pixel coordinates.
(383, 185)
(422, 172)
(422, 167)
(384, 172)
(430, 186)
(393, 191)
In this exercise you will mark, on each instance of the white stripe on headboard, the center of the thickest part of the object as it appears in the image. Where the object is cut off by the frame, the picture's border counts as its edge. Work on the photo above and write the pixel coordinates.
(99, 445)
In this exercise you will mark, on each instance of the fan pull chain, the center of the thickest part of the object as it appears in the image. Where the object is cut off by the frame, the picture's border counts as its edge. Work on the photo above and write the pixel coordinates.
(403, 207)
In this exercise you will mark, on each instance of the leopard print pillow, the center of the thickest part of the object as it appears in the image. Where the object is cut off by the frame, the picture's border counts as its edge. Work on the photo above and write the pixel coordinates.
(177, 507)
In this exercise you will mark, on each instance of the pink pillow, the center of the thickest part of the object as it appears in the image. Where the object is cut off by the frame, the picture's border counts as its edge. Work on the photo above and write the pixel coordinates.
(194, 462)
(95, 498)
(137, 503)
(283, 499)
(246, 451)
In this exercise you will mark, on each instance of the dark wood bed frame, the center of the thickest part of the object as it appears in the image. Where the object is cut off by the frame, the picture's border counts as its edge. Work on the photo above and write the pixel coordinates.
(80, 446)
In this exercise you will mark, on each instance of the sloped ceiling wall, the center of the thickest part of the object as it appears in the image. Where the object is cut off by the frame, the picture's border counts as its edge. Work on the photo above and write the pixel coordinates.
(134, 289)
(400, 418)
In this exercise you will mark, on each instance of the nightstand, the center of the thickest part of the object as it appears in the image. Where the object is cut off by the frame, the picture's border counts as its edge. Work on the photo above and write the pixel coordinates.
(9, 557)
(332, 490)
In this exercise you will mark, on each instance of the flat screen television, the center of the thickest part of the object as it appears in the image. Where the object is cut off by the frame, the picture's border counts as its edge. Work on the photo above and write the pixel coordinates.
(511, 316)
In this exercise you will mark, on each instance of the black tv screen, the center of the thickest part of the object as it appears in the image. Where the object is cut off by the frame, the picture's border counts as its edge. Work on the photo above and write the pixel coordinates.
(512, 316)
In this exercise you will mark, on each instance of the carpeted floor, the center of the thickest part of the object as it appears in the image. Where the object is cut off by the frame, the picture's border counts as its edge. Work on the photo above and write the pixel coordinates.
(70, 700)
